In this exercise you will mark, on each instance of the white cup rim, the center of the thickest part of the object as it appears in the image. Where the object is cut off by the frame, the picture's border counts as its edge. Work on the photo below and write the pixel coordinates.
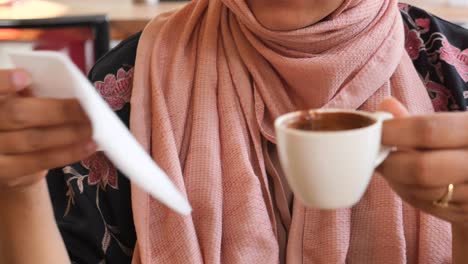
(279, 122)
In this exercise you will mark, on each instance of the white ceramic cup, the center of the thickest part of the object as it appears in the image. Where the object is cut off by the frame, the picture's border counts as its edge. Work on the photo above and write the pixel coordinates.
(330, 169)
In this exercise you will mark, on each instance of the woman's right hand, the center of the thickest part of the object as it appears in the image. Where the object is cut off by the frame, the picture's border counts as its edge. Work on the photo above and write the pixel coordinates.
(37, 134)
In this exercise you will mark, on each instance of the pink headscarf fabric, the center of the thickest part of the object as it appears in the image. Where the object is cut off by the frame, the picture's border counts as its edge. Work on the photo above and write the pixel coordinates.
(209, 82)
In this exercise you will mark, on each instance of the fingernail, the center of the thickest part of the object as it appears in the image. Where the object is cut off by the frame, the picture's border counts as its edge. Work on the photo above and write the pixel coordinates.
(20, 79)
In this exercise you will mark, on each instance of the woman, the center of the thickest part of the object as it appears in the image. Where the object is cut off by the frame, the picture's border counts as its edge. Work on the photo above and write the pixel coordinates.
(208, 82)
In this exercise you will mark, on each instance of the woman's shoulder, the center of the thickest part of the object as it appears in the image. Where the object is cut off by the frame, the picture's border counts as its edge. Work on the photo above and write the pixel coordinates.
(427, 24)
(121, 56)
(91, 198)
(439, 50)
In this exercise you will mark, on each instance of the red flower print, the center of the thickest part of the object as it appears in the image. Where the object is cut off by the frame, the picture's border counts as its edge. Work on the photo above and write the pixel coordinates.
(423, 23)
(413, 44)
(455, 57)
(440, 96)
(101, 171)
(116, 89)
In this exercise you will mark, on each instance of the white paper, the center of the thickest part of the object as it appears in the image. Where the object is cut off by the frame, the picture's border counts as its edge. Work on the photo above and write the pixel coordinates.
(55, 76)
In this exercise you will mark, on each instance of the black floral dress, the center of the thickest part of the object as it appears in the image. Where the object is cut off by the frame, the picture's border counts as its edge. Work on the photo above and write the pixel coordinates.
(92, 200)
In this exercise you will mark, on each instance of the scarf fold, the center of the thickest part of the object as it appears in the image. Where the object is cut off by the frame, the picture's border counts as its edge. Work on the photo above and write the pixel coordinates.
(209, 82)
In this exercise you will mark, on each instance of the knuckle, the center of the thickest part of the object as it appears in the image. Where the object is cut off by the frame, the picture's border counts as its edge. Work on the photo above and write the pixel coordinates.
(16, 114)
(75, 134)
(427, 131)
(66, 108)
(86, 131)
(33, 140)
(70, 108)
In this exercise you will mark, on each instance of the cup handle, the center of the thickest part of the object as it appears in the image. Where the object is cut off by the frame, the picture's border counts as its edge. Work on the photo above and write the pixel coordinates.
(384, 150)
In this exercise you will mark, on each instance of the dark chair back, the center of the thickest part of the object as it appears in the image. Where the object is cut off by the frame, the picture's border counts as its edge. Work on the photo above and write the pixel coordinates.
(68, 34)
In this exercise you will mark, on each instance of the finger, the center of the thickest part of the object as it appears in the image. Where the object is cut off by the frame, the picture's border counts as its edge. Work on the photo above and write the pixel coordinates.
(25, 164)
(455, 213)
(37, 139)
(444, 130)
(21, 181)
(393, 106)
(21, 113)
(426, 168)
(460, 193)
(12, 81)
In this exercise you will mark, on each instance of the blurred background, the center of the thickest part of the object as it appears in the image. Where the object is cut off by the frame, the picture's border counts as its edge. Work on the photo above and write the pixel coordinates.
(87, 29)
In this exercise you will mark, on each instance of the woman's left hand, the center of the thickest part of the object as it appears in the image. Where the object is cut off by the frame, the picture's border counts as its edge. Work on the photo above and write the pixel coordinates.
(432, 154)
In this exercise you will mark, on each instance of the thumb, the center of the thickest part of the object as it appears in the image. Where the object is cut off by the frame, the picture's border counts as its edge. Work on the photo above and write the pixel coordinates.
(393, 106)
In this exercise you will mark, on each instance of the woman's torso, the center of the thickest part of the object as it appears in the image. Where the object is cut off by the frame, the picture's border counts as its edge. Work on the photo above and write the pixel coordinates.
(92, 199)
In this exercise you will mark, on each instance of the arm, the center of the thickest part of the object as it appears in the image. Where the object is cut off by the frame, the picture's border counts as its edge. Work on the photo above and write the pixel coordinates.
(415, 175)
(35, 134)
(34, 230)
(28, 228)
(438, 60)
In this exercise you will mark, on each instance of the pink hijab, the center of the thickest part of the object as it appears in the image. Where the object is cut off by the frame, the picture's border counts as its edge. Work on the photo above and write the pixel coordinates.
(210, 80)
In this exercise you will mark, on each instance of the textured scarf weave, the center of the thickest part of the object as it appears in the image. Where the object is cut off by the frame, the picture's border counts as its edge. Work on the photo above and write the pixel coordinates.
(210, 80)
